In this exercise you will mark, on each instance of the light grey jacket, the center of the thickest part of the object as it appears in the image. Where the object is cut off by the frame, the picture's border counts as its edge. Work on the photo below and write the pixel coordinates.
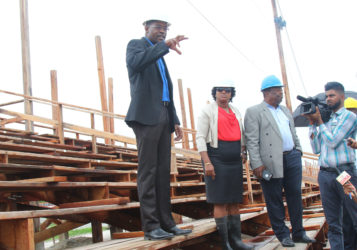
(264, 141)
(207, 126)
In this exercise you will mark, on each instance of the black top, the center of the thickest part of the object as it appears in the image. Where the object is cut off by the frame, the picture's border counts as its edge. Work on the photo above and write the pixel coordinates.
(146, 83)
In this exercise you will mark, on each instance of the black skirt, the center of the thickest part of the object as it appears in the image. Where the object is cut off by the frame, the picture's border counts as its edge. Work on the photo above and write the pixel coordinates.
(227, 187)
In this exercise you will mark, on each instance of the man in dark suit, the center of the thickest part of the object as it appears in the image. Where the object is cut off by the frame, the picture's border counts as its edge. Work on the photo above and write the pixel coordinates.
(274, 147)
(153, 118)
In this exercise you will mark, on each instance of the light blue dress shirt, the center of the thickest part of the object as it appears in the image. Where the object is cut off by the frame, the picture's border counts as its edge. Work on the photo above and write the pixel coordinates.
(284, 127)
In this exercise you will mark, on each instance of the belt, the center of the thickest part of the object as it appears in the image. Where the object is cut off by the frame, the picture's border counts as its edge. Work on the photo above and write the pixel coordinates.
(328, 169)
(166, 104)
(340, 168)
(288, 152)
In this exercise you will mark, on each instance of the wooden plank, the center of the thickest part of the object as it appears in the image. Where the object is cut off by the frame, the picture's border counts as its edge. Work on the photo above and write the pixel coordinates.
(59, 119)
(11, 120)
(11, 103)
(28, 186)
(69, 106)
(82, 210)
(29, 117)
(186, 153)
(126, 235)
(54, 96)
(45, 179)
(97, 231)
(102, 88)
(111, 106)
(120, 200)
(26, 61)
(53, 231)
(192, 118)
(185, 142)
(17, 234)
(63, 160)
(94, 138)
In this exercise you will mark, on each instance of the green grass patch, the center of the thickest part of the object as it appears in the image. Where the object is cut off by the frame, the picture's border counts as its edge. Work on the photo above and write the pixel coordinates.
(77, 232)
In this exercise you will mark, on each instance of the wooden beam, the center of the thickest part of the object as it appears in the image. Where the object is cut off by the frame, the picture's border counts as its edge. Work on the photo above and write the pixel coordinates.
(120, 200)
(26, 62)
(59, 119)
(69, 106)
(17, 234)
(46, 179)
(97, 231)
(192, 118)
(54, 96)
(84, 130)
(94, 138)
(173, 164)
(102, 88)
(83, 210)
(111, 106)
(281, 57)
(10, 103)
(249, 181)
(11, 120)
(185, 142)
(53, 231)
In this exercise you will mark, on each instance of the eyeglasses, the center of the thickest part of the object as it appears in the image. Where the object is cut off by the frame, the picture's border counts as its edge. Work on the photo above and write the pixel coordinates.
(227, 90)
(164, 28)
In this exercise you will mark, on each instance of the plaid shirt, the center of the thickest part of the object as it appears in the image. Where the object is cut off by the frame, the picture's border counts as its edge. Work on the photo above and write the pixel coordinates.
(328, 139)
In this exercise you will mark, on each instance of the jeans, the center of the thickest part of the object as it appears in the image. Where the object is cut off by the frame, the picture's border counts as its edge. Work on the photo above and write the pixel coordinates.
(273, 194)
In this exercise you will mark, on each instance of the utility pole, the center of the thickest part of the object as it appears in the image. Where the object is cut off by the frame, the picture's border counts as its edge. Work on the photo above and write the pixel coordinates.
(26, 63)
(280, 24)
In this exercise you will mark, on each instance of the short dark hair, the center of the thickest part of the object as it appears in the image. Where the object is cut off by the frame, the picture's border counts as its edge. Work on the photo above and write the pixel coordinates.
(233, 93)
(335, 86)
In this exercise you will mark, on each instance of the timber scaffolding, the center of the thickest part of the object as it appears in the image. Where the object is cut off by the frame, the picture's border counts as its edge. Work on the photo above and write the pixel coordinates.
(70, 178)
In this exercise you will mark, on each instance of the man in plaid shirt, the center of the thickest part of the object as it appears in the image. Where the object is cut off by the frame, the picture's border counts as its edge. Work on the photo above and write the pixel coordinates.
(329, 140)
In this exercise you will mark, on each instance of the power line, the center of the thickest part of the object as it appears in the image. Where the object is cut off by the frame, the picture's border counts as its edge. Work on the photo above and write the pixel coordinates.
(225, 37)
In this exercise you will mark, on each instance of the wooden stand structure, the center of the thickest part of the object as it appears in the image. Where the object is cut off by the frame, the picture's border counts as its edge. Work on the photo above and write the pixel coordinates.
(78, 181)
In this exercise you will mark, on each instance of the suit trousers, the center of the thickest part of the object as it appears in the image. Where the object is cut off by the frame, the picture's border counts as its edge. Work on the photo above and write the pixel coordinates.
(273, 194)
(153, 180)
(334, 201)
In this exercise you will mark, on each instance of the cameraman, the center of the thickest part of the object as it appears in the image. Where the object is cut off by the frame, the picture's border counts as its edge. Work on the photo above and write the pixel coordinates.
(328, 140)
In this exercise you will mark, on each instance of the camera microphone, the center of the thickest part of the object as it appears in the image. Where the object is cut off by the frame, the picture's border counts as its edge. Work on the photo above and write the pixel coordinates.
(303, 99)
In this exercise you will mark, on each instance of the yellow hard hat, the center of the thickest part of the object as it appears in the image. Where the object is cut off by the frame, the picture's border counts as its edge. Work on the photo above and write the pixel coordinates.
(350, 103)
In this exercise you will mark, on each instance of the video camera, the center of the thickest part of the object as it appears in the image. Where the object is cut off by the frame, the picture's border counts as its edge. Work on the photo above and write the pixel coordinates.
(309, 107)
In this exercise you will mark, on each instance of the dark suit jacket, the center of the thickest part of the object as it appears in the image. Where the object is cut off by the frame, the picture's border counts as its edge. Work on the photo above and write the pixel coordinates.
(146, 83)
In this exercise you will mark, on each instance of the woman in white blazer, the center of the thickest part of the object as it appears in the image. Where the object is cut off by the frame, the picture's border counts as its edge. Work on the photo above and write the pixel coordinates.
(220, 141)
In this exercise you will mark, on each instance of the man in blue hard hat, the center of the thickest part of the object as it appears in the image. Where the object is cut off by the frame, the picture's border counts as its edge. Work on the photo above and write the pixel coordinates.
(275, 157)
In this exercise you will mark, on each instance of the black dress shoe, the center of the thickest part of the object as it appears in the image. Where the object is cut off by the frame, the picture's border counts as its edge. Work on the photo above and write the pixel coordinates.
(178, 231)
(158, 234)
(287, 242)
(304, 239)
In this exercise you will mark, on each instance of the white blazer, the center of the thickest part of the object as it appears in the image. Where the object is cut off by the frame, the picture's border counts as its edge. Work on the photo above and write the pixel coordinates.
(207, 126)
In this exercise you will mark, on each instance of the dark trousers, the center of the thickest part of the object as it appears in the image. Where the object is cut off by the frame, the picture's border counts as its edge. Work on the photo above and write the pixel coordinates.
(340, 211)
(273, 194)
(153, 181)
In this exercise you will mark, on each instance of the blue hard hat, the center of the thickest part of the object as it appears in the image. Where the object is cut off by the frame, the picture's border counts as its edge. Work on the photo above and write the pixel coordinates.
(271, 81)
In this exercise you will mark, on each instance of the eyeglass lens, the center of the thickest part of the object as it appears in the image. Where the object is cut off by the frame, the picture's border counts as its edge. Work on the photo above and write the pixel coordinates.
(220, 89)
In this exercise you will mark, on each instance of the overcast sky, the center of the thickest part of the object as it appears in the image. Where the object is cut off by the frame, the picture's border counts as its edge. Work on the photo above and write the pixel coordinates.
(234, 40)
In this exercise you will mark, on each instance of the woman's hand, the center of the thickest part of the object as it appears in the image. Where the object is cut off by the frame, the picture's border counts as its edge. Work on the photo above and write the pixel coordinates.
(209, 170)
